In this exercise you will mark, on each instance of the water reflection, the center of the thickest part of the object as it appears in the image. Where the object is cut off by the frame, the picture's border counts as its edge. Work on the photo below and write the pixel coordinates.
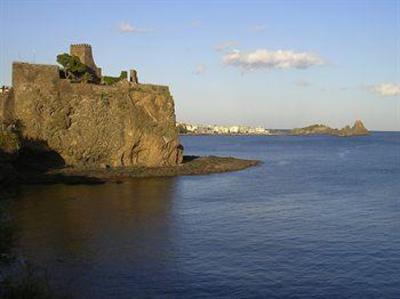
(79, 231)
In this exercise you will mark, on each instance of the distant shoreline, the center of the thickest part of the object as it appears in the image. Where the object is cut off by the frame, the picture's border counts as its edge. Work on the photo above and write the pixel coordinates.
(231, 134)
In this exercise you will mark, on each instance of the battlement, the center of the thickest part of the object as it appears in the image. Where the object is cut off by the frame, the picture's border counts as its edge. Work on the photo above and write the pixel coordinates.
(81, 46)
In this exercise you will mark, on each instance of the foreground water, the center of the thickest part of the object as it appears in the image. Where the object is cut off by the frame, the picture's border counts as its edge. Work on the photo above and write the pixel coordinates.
(320, 218)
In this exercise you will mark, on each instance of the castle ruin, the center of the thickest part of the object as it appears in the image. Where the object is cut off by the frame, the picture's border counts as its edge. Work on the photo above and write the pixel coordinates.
(92, 125)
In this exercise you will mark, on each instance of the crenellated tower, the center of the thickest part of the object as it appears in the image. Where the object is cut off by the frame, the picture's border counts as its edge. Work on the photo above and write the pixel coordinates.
(84, 52)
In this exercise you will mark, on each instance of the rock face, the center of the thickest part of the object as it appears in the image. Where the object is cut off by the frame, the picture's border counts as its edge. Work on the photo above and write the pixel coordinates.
(9, 147)
(358, 129)
(92, 125)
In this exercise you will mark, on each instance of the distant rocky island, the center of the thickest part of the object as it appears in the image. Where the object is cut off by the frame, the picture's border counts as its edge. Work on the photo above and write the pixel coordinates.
(74, 117)
(358, 129)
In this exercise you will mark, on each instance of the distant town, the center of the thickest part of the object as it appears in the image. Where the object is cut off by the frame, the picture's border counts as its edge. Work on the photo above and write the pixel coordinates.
(196, 129)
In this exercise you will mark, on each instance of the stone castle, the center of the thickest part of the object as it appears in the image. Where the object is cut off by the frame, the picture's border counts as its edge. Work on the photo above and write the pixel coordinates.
(92, 125)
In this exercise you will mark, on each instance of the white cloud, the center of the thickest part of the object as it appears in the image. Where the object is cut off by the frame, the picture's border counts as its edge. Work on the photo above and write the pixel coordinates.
(387, 89)
(226, 45)
(257, 28)
(200, 69)
(125, 27)
(266, 59)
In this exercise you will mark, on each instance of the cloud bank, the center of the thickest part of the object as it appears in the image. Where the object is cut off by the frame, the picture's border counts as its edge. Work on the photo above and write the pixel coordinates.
(266, 59)
(387, 89)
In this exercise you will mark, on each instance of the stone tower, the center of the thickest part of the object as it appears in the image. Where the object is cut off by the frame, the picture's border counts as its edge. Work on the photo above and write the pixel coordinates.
(133, 77)
(84, 52)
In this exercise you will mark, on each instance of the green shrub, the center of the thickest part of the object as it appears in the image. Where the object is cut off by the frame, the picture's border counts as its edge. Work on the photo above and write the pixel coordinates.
(124, 75)
(75, 70)
(108, 80)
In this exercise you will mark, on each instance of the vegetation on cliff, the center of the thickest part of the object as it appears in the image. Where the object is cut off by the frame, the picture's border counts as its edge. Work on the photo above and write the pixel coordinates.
(75, 70)
(108, 80)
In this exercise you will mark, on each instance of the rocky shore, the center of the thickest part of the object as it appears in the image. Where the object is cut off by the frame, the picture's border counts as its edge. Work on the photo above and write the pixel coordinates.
(191, 165)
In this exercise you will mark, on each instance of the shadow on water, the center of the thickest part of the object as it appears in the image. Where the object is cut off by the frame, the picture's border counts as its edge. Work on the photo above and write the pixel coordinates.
(36, 159)
(79, 232)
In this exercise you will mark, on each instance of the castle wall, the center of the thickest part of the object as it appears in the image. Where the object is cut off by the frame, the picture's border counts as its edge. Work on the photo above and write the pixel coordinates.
(6, 108)
(41, 74)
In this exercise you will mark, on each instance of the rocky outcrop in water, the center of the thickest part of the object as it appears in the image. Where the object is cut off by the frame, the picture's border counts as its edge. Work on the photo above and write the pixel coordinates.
(358, 129)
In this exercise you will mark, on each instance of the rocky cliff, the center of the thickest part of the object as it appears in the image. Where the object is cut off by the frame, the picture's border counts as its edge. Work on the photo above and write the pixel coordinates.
(358, 129)
(91, 125)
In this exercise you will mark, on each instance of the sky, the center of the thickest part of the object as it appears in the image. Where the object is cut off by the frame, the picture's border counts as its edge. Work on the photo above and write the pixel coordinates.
(276, 64)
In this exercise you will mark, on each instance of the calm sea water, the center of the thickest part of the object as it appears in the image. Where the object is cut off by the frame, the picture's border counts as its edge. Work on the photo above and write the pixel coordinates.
(320, 218)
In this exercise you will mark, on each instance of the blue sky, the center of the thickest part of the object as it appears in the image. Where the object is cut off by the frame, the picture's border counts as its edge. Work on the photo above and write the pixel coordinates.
(278, 64)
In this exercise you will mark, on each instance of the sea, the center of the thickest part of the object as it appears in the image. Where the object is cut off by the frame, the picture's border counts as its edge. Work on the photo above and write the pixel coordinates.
(319, 218)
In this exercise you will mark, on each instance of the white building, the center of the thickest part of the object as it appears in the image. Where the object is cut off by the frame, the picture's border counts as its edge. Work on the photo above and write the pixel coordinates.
(234, 130)
(191, 128)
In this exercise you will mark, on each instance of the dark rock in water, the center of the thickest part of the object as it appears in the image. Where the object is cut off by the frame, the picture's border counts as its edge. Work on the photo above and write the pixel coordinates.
(192, 165)
(358, 129)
